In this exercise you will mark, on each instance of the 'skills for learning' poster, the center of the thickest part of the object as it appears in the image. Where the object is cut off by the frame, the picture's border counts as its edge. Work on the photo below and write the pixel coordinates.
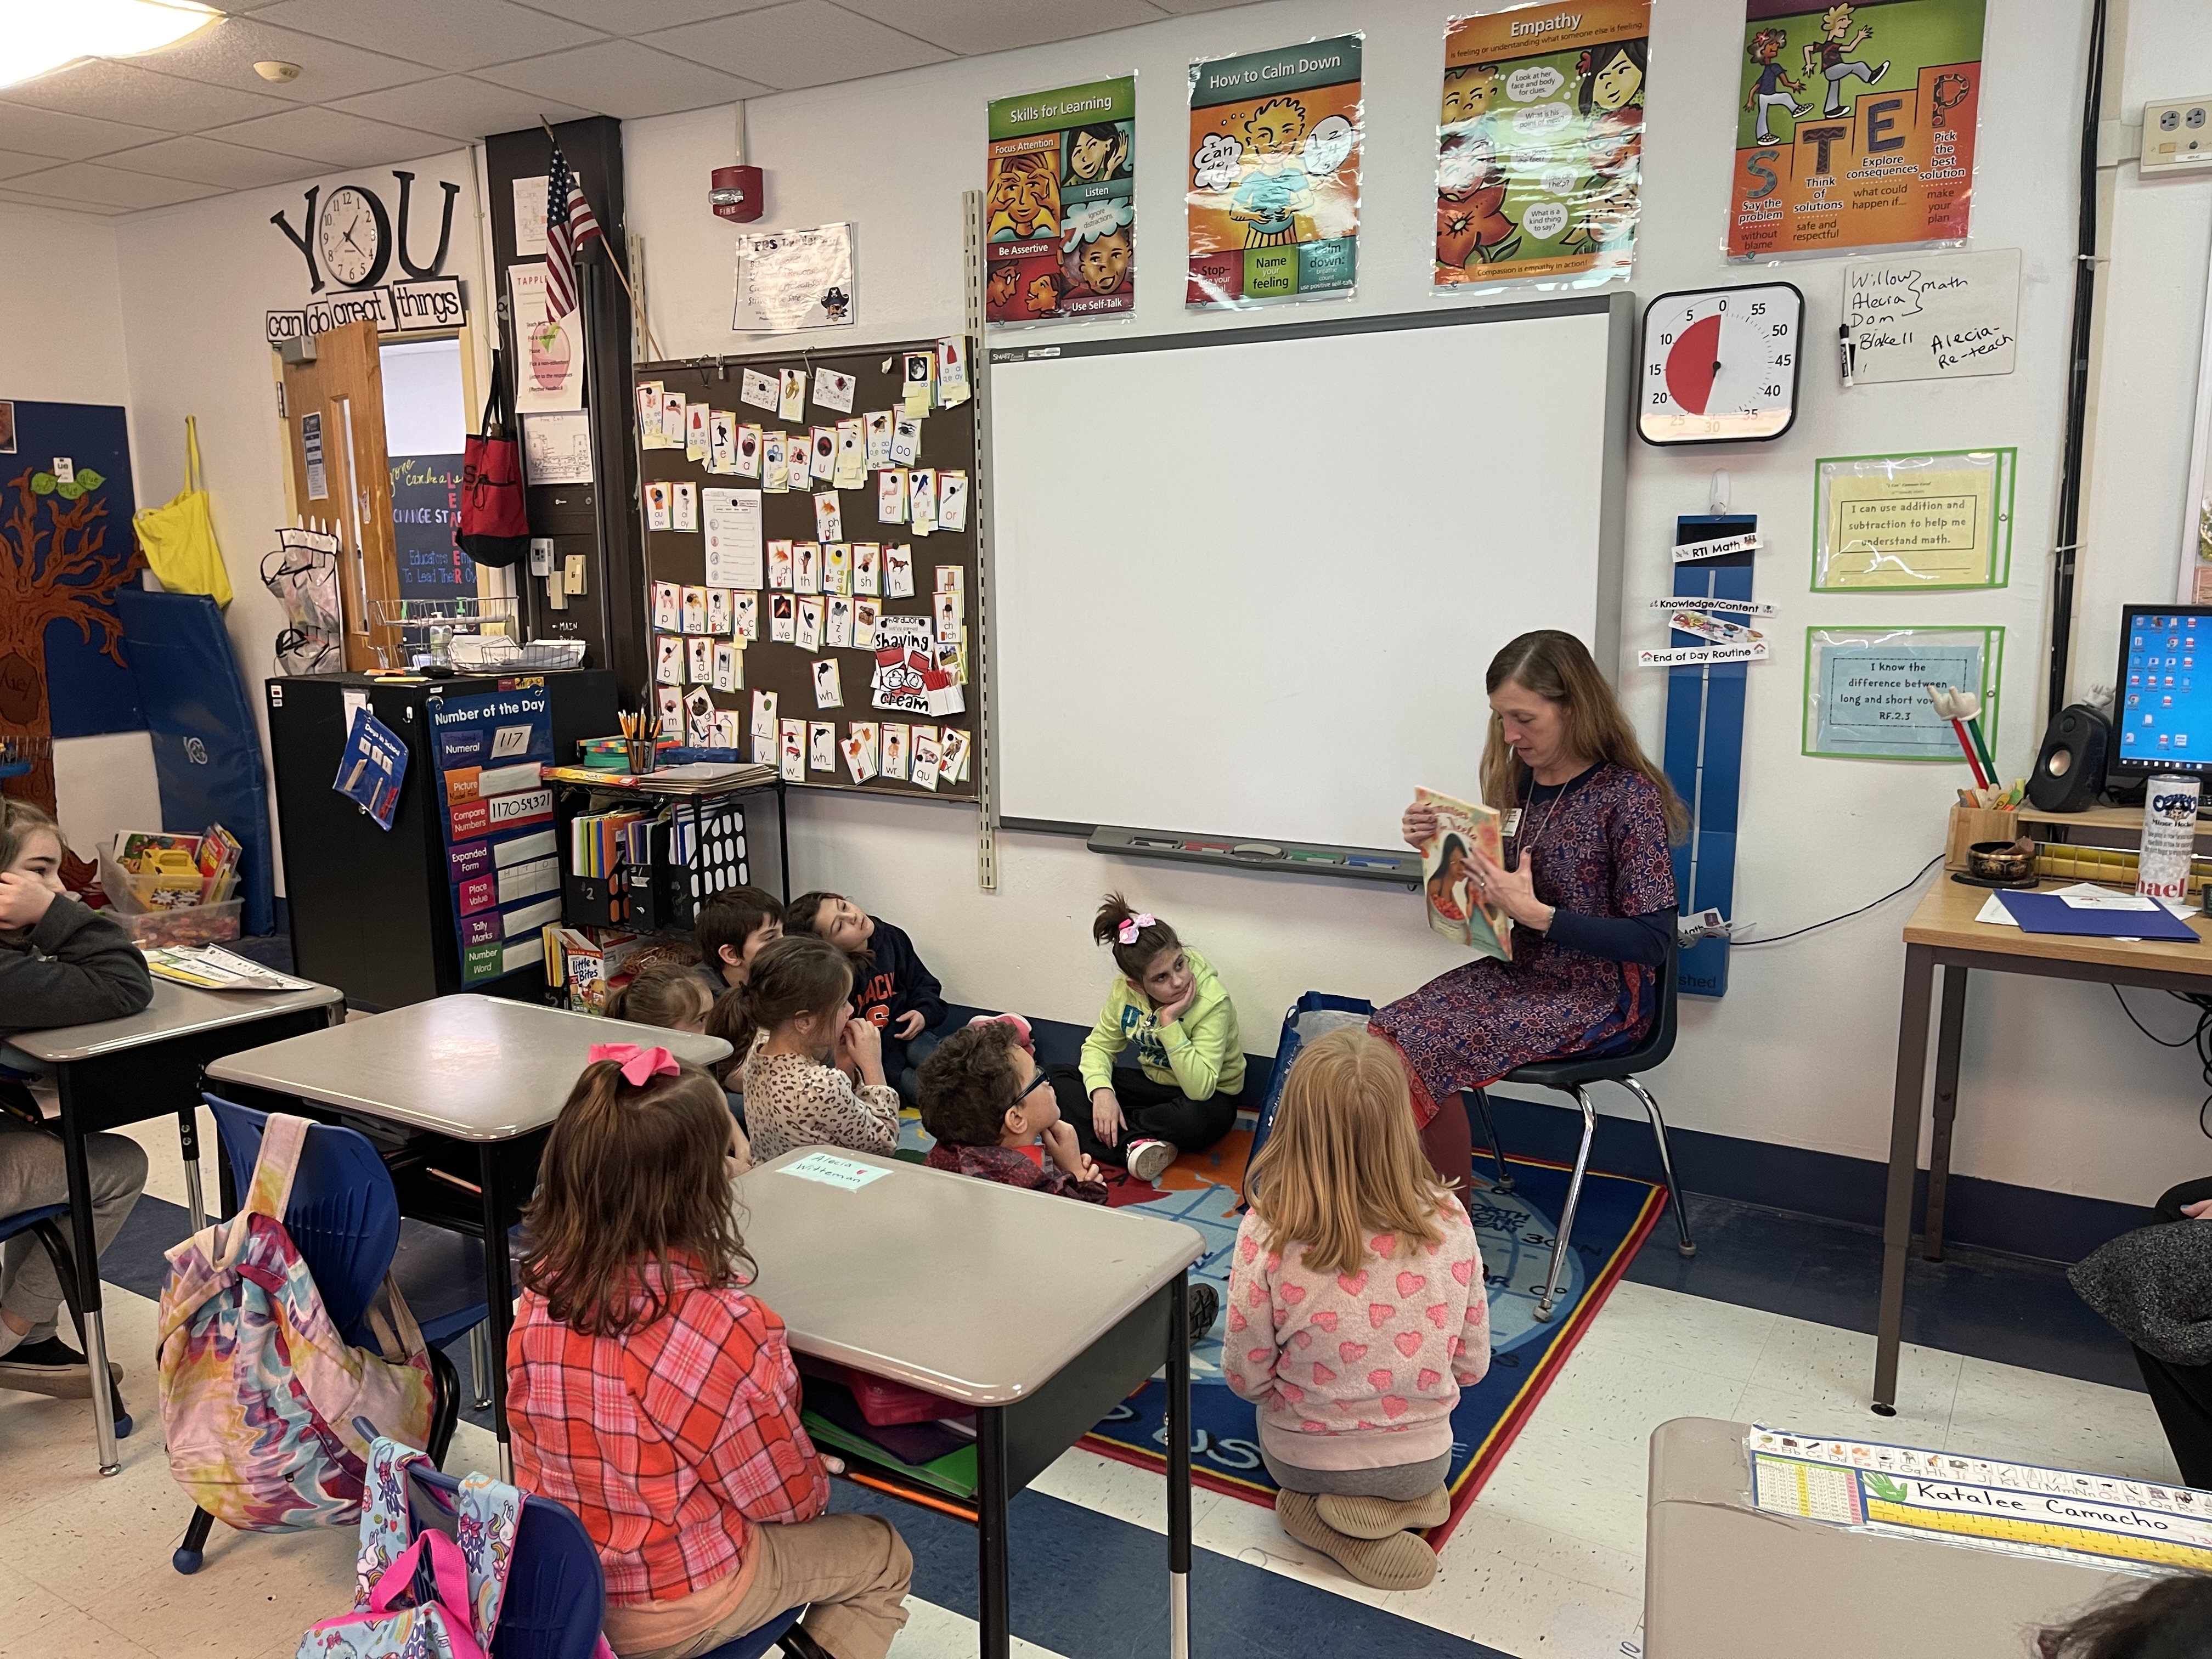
(1540, 143)
(1855, 125)
(1062, 227)
(1274, 174)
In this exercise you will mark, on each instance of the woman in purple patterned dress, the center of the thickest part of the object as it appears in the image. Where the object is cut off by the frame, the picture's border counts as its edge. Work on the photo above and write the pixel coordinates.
(1588, 884)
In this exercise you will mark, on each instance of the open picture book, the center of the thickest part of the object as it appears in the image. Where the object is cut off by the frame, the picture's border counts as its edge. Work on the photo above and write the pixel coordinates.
(1455, 908)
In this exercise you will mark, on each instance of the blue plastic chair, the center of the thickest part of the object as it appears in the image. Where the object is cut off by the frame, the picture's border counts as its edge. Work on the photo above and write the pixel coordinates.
(557, 1598)
(45, 1224)
(344, 1213)
(344, 1217)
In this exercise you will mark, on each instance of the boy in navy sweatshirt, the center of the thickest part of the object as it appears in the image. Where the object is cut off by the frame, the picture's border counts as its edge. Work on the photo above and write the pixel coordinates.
(892, 988)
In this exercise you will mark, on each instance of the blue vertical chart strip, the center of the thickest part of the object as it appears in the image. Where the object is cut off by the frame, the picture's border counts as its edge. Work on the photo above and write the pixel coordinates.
(1704, 749)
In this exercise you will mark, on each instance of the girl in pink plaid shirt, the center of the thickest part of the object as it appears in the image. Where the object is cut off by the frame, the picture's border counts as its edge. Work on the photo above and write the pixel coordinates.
(654, 1395)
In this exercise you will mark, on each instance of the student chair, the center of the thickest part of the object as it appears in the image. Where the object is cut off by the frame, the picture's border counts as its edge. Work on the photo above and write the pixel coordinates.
(44, 1223)
(556, 1597)
(1572, 1075)
(343, 1216)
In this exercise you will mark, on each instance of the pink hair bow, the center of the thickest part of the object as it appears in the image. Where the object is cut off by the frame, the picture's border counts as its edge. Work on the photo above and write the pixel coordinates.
(1133, 925)
(639, 1066)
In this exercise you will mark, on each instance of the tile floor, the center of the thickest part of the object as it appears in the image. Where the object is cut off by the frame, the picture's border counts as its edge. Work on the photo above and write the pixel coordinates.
(1549, 1562)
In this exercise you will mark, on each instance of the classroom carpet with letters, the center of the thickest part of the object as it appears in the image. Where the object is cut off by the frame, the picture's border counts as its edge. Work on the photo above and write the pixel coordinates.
(1516, 1229)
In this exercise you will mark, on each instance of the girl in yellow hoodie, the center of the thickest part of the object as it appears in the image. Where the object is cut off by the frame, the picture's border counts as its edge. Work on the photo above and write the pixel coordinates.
(1167, 1003)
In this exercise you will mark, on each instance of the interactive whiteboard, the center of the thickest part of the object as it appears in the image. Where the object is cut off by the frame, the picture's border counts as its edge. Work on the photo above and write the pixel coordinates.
(1246, 582)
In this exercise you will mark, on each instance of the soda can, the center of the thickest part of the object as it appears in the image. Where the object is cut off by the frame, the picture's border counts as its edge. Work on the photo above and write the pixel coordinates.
(2169, 836)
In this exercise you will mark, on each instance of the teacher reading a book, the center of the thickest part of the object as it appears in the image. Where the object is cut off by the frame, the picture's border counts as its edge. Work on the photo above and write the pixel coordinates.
(1586, 883)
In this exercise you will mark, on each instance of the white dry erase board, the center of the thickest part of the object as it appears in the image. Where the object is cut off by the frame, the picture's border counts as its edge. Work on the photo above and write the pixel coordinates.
(1932, 316)
(1247, 582)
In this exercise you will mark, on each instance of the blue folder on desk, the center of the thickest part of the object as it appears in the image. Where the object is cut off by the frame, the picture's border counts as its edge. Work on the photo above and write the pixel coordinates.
(2047, 913)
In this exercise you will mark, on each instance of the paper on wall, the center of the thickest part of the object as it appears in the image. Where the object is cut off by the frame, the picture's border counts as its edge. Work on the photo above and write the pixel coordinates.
(790, 280)
(733, 538)
(550, 375)
(556, 447)
(1933, 317)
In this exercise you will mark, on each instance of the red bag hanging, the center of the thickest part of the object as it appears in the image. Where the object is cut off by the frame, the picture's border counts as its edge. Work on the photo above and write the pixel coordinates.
(494, 526)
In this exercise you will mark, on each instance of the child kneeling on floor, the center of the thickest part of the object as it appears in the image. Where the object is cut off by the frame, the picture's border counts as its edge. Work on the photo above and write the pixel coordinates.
(1357, 1312)
(654, 1396)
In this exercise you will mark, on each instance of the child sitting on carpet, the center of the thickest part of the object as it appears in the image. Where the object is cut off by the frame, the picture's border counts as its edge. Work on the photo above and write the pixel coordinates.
(672, 994)
(734, 927)
(984, 1098)
(799, 992)
(892, 989)
(1357, 1312)
(656, 1397)
(1181, 1097)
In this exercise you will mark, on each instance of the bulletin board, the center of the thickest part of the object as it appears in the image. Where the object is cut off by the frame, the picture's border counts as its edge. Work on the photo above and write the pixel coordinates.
(912, 690)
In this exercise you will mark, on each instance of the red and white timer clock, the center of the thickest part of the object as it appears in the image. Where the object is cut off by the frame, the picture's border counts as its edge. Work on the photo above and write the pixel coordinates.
(1719, 365)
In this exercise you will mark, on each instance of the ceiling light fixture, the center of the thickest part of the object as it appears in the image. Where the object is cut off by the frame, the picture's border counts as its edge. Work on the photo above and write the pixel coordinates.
(37, 39)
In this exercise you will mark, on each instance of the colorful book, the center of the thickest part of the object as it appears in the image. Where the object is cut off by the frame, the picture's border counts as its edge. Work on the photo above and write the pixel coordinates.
(1454, 903)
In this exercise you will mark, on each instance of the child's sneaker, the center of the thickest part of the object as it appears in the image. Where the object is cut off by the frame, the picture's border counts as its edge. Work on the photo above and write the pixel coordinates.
(1149, 1159)
(1203, 1303)
(50, 1367)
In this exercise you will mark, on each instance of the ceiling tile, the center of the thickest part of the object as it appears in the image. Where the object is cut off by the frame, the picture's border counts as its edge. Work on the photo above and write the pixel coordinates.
(92, 181)
(975, 27)
(454, 37)
(623, 79)
(333, 137)
(806, 43)
(624, 18)
(27, 198)
(459, 106)
(207, 162)
(13, 162)
(65, 137)
(225, 55)
(103, 86)
(1184, 8)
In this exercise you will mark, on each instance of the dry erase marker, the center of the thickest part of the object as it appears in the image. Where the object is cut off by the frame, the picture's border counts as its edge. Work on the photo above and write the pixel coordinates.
(1844, 351)
(1358, 862)
(1301, 855)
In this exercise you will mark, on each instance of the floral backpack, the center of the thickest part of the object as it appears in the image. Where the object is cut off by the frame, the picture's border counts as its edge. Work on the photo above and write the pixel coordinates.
(258, 1390)
(418, 1593)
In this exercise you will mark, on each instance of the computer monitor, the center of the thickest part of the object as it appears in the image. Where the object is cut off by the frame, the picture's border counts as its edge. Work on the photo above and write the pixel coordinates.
(2162, 707)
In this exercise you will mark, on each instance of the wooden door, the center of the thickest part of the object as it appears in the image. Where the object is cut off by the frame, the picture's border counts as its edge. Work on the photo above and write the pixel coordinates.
(342, 478)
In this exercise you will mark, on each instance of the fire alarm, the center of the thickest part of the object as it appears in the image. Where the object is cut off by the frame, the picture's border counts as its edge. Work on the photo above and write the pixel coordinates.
(739, 193)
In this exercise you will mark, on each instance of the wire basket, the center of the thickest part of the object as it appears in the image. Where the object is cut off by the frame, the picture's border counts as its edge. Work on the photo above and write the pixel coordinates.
(428, 631)
(21, 754)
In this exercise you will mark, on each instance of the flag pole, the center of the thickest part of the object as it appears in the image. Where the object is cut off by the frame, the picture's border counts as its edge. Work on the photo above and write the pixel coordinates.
(644, 317)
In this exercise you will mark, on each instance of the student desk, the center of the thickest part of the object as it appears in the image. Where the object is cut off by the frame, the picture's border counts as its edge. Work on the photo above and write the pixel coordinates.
(459, 1094)
(1942, 933)
(1042, 1312)
(116, 1072)
(1724, 1580)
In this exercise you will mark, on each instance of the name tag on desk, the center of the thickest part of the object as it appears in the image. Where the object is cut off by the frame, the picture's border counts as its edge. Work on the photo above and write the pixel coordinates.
(833, 1171)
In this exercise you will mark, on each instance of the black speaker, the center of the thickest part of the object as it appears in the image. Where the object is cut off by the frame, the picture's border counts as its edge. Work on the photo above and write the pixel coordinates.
(2071, 764)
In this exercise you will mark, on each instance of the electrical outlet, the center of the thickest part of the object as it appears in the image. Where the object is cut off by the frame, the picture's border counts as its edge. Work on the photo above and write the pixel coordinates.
(576, 564)
(2177, 135)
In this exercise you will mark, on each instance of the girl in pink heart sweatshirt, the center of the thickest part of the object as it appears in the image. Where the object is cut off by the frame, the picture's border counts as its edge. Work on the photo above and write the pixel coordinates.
(1357, 1311)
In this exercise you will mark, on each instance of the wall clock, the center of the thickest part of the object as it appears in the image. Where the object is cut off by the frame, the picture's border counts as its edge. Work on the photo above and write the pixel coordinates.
(1719, 365)
(354, 236)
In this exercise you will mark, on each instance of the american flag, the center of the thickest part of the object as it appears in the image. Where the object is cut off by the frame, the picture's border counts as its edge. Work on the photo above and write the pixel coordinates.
(568, 227)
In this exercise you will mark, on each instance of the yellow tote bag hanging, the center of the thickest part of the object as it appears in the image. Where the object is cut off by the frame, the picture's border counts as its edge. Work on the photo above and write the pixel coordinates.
(178, 539)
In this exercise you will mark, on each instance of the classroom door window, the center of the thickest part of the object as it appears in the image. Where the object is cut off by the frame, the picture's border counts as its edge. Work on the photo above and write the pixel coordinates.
(425, 423)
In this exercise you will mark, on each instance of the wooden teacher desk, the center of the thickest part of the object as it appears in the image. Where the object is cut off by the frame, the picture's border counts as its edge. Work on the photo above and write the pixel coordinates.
(458, 1094)
(115, 1072)
(1041, 1313)
(1943, 934)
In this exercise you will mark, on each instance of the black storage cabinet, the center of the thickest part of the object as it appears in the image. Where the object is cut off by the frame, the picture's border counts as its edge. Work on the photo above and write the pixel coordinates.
(371, 910)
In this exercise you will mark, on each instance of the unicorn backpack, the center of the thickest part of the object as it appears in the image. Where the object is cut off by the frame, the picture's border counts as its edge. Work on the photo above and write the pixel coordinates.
(258, 1390)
